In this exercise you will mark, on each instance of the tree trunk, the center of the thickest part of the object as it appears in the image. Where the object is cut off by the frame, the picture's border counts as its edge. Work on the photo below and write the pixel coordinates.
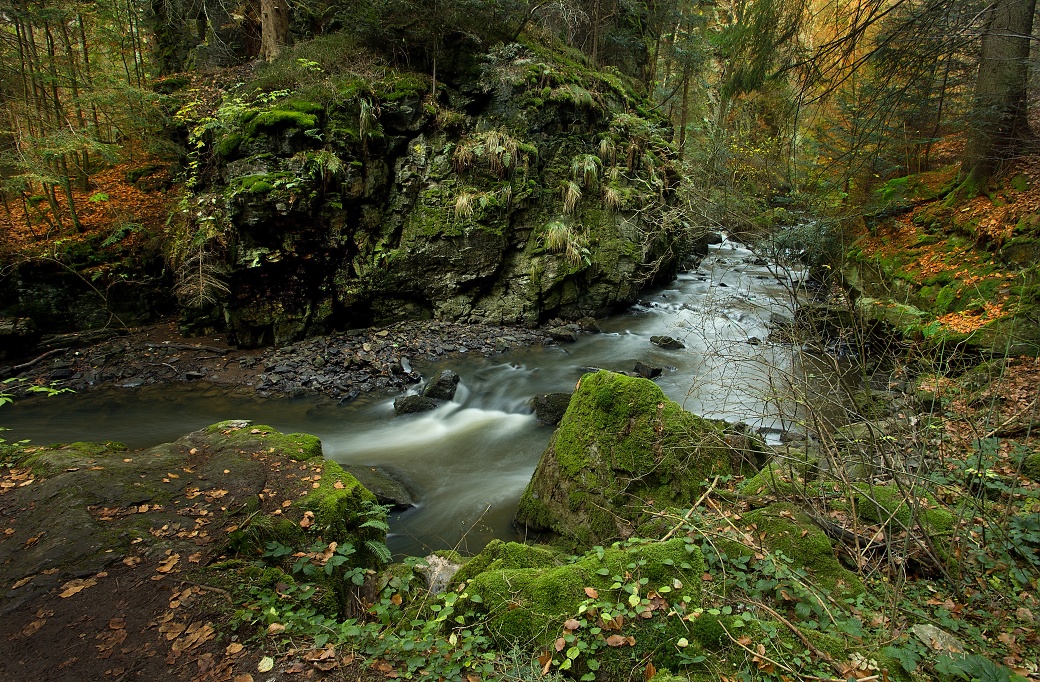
(1000, 124)
(274, 27)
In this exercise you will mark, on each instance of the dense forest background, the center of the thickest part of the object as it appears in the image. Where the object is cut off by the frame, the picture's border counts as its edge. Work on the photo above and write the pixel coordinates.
(827, 100)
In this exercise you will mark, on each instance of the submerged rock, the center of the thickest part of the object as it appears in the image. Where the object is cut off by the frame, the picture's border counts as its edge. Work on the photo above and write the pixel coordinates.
(549, 407)
(443, 387)
(647, 371)
(621, 445)
(410, 404)
(667, 342)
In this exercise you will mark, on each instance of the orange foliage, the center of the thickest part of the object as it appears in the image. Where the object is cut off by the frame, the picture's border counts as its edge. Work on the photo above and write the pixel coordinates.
(125, 203)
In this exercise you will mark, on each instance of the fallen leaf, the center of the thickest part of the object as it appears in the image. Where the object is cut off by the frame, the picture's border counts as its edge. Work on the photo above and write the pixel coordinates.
(591, 593)
(23, 581)
(76, 586)
(233, 648)
(167, 565)
(266, 664)
(32, 628)
(571, 624)
(308, 519)
(275, 628)
(650, 671)
(559, 644)
(117, 623)
(245, 677)
(338, 485)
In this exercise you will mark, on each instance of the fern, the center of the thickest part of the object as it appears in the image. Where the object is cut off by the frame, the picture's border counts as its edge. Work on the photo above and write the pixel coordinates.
(380, 550)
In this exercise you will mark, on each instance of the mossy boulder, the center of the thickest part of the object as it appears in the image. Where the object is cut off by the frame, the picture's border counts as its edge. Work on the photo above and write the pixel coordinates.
(784, 528)
(527, 607)
(498, 555)
(621, 448)
(787, 473)
(1031, 466)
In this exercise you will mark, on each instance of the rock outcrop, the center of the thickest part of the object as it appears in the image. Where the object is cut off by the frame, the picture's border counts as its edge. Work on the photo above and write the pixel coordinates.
(532, 192)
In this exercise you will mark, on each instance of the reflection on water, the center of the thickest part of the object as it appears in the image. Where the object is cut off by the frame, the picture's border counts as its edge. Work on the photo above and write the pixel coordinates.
(468, 461)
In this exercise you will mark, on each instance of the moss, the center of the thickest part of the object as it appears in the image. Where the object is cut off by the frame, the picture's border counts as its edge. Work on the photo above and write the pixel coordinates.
(710, 630)
(242, 434)
(784, 528)
(1031, 466)
(786, 474)
(228, 145)
(498, 555)
(886, 504)
(527, 606)
(280, 119)
(59, 457)
(621, 446)
(302, 106)
(340, 504)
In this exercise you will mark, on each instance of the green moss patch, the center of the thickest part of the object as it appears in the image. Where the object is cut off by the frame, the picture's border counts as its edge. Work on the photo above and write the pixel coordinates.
(528, 606)
(784, 528)
(621, 447)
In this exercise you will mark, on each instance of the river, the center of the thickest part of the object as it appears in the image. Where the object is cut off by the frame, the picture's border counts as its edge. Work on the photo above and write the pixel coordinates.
(468, 461)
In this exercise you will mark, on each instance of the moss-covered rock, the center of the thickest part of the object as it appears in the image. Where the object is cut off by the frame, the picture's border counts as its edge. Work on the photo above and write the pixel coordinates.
(357, 199)
(1031, 466)
(787, 472)
(498, 555)
(784, 528)
(622, 447)
(527, 607)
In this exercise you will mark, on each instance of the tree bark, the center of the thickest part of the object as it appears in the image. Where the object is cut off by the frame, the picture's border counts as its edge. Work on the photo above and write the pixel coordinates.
(274, 27)
(1000, 125)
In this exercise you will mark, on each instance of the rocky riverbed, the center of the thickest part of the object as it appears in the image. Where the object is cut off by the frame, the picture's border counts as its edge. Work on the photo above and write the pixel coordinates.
(341, 365)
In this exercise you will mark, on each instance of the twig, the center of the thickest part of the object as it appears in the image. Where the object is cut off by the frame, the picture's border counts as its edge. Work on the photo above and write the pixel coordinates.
(27, 365)
(999, 431)
(188, 346)
(688, 514)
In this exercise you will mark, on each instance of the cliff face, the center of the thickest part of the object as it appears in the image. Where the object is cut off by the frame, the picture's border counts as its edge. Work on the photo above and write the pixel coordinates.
(534, 188)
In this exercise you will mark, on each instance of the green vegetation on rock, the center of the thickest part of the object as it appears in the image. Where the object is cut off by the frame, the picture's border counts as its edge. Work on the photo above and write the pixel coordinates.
(621, 447)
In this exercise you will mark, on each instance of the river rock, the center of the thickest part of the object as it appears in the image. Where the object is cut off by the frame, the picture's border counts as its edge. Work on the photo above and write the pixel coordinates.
(566, 334)
(667, 342)
(647, 371)
(410, 404)
(589, 325)
(387, 487)
(443, 387)
(438, 572)
(549, 407)
(620, 444)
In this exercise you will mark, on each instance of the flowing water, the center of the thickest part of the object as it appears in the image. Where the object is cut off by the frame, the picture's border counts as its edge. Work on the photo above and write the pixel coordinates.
(468, 461)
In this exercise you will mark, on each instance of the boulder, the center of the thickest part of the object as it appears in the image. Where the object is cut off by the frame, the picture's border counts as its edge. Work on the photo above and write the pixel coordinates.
(565, 334)
(667, 342)
(387, 487)
(621, 446)
(549, 407)
(410, 404)
(588, 324)
(443, 387)
(647, 371)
